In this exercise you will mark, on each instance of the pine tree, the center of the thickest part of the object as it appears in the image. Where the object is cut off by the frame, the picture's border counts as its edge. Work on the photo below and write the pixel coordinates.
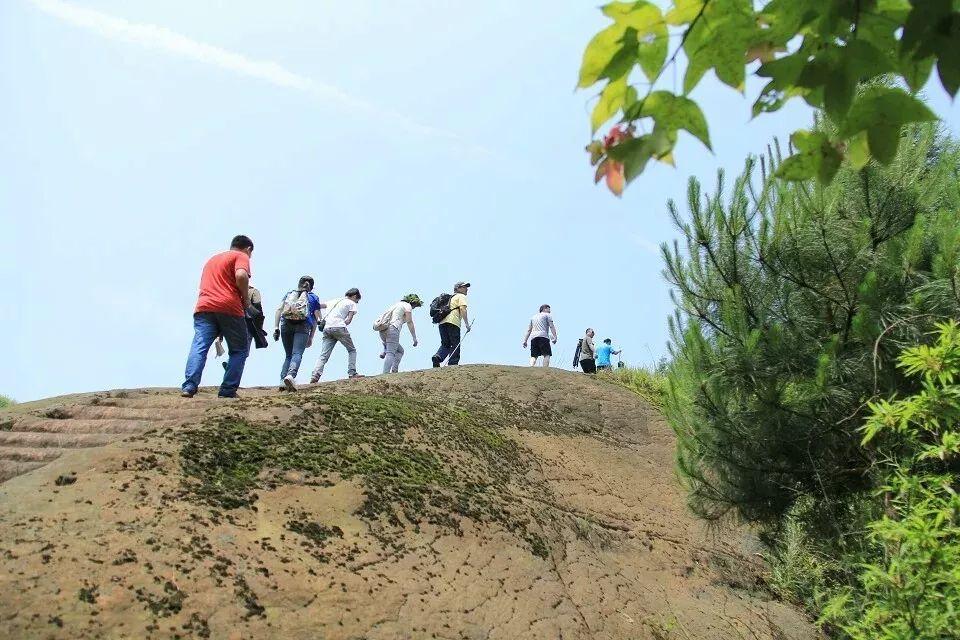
(793, 301)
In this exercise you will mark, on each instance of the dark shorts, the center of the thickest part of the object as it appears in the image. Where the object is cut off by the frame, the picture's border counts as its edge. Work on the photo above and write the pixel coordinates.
(540, 347)
(589, 365)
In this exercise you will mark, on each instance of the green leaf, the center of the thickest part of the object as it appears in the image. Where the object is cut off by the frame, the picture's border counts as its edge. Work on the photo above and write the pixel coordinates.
(782, 19)
(933, 29)
(641, 15)
(634, 154)
(883, 141)
(646, 34)
(816, 157)
(672, 113)
(652, 51)
(916, 72)
(599, 53)
(948, 66)
(784, 73)
(923, 26)
(838, 92)
(879, 107)
(684, 11)
(637, 152)
(858, 151)
(720, 41)
(611, 101)
(838, 70)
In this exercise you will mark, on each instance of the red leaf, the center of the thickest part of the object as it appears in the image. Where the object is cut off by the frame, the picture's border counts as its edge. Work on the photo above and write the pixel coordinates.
(615, 177)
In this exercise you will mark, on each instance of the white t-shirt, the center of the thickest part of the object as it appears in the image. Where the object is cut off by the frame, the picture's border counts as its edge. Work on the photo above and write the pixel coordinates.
(540, 325)
(398, 313)
(337, 311)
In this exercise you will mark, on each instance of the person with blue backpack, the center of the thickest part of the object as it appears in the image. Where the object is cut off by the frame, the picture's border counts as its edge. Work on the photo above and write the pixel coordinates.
(296, 324)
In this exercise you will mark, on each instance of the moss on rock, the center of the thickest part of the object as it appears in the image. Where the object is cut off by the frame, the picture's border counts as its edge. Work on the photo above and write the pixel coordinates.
(418, 461)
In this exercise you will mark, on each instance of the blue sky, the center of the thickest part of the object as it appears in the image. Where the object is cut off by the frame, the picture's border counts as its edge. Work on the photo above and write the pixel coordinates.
(395, 147)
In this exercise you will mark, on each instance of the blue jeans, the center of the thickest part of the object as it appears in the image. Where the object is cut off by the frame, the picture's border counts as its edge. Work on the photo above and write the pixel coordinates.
(294, 336)
(207, 326)
(449, 343)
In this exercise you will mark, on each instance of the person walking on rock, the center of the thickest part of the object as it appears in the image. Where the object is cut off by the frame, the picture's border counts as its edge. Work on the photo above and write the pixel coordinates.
(588, 353)
(340, 315)
(603, 355)
(296, 324)
(221, 308)
(450, 324)
(389, 326)
(538, 334)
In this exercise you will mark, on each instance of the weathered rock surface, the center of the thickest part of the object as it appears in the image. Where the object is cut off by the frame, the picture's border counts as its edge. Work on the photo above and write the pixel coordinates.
(467, 502)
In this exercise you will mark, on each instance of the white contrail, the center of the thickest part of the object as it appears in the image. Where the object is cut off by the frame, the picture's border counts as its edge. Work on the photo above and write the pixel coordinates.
(163, 39)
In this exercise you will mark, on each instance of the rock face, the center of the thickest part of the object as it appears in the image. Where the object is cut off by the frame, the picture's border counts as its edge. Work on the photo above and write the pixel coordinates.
(464, 502)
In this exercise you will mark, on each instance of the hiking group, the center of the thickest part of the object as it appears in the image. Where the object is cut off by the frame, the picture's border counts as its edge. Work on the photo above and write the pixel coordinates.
(230, 309)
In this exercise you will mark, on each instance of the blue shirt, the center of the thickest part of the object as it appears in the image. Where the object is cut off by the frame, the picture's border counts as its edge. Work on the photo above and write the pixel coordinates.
(603, 355)
(313, 304)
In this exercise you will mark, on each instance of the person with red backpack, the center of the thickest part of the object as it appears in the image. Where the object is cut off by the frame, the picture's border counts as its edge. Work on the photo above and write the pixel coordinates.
(449, 312)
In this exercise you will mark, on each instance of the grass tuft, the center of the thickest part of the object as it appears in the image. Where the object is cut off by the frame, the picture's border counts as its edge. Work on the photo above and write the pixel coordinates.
(649, 385)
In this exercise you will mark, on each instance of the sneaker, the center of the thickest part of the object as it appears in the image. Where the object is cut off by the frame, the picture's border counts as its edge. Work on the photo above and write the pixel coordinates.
(356, 375)
(232, 396)
(289, 383)
(436, 362)
(186, 393)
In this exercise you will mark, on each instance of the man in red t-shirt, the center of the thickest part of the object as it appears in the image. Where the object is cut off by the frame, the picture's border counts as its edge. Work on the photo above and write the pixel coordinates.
(221, 308)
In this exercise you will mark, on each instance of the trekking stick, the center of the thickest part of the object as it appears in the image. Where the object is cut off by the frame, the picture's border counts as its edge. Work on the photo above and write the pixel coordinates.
(462, 338)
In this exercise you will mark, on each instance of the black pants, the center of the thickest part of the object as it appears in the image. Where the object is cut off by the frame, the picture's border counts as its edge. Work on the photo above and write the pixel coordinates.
(449, 341)
(589, 365)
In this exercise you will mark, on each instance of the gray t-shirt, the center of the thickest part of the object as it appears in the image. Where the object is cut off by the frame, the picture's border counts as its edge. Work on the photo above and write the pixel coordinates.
(540, 325)
(587, 349)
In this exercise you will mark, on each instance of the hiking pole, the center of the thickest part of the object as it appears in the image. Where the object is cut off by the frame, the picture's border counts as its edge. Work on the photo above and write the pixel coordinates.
(462, 338)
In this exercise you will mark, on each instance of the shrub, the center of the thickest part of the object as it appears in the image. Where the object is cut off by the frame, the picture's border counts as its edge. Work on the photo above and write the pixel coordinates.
(793, 300)
(6, 402)
(649, 385)
(913, 589)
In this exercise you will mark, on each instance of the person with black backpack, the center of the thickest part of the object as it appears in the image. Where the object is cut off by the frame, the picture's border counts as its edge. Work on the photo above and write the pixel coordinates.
(296, 324)
(448, 312)
(586, 354)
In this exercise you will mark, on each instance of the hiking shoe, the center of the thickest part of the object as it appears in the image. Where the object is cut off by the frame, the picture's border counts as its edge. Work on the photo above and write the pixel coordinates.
(186, 393)
(232, 396)
(356, 375)
(314, 380)
(282, 388)
(289, 383)
(436, 362)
